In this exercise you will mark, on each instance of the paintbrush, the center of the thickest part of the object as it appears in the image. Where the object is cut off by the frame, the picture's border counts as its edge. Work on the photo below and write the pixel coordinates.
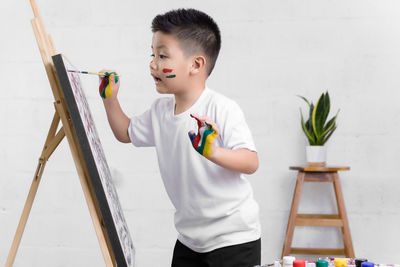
(88, 72)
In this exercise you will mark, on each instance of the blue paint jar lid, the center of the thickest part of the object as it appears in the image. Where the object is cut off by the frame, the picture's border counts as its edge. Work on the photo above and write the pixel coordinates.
(367, 264)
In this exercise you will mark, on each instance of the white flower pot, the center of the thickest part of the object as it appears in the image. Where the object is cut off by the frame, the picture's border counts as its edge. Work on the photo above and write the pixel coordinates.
(316, 155)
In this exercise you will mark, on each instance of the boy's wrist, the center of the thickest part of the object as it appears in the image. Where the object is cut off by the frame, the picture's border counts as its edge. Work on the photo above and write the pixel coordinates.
(110, 101)
(215, 152)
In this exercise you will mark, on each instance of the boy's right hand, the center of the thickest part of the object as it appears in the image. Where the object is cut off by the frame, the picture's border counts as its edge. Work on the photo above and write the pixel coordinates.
(109, 85)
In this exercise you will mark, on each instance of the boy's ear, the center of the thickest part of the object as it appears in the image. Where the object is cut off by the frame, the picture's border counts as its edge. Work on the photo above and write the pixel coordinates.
(198, 64)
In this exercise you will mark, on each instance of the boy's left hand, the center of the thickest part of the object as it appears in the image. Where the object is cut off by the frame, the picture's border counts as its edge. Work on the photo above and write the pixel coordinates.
(203, 142)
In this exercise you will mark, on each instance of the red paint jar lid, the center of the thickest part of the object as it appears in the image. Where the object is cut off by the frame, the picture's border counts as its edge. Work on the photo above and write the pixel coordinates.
(299, 263)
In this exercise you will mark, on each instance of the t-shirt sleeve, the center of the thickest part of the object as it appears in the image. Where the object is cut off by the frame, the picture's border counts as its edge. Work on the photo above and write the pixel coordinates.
(236, 133)
(141, 131)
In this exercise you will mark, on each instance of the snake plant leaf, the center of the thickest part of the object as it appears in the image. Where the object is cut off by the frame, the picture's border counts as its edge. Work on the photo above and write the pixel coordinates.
(330, 124)
(327, 105)
(305, 99)
(313, 119)
(320, 114)
(309, 134)
(328, 135)
(311, 106)
(309, 125)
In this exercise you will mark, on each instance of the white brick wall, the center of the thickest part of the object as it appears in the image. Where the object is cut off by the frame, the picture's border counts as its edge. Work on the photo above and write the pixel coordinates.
(271, 51)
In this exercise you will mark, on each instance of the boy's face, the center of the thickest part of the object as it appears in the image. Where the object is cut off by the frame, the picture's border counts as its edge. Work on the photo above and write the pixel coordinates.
(169, 67)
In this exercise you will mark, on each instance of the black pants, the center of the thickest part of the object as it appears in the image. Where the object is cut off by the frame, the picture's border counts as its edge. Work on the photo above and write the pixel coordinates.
(241, 255)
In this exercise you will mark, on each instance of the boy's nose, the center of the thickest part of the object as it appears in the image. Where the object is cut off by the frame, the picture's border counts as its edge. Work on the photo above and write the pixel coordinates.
(152, 65)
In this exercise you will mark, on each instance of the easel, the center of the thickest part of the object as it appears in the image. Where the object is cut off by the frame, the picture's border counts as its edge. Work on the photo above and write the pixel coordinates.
(54, 138)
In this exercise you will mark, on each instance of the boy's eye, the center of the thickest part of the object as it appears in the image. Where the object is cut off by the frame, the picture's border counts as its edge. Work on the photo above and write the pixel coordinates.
(161, 56)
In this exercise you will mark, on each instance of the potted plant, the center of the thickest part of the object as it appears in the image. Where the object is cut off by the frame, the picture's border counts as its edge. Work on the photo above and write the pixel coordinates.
(317, 129)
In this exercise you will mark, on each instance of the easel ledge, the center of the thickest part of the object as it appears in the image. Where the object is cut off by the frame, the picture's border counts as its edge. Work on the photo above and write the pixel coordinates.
(53, 139)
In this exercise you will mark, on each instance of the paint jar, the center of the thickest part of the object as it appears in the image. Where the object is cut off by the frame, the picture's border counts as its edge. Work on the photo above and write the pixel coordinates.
(310, 264)
(340, 262)
(288, 261)
(359, 261)
(321, 263)
(277, 263)
(367, 264)
(329, 260)
(299, 263)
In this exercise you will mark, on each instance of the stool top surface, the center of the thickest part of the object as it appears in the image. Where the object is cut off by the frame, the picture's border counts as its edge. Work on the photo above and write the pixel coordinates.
(307, 168)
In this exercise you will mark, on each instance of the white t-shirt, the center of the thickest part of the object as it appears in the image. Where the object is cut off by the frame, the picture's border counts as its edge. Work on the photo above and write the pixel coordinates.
(214, 206)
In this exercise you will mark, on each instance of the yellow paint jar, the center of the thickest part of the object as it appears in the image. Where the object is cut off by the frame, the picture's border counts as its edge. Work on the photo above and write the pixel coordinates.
(340, 262)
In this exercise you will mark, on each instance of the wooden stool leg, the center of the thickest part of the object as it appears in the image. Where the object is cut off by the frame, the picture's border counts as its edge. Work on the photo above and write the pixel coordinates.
(348, 244)
(293, 213)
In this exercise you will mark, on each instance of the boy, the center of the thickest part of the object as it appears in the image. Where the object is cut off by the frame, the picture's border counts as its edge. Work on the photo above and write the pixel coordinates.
(216, 216)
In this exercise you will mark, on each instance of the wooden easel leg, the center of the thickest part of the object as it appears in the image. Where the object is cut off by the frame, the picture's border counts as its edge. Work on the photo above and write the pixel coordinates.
(89, 195)
(293, 213)
(348, 244)
(51, 143)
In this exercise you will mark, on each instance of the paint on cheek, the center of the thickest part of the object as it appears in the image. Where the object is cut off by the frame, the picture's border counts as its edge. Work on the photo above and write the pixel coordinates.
(171, 76)
(167, 70)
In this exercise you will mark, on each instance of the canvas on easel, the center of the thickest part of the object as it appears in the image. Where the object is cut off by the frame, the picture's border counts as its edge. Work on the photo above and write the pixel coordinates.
(102, 200)
(100, 176)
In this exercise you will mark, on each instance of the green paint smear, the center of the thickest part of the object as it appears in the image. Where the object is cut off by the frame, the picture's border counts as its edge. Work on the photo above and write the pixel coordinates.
(206, 133)
(116, 77)
(171, 76)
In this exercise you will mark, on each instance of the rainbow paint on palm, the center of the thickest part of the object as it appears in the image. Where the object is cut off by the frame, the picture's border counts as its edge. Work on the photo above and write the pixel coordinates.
(206, 135)
(105, 88)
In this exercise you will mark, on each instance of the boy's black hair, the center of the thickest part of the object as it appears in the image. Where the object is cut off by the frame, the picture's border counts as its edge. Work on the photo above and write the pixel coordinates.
(194, 29)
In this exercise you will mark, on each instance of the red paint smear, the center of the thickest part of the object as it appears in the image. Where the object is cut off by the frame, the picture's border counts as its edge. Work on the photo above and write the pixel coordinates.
(196, 140)
(102, 84)
(167, 70)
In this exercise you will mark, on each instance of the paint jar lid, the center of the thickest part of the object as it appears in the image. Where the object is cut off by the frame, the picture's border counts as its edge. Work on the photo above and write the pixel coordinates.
(340, 262)
(321, 263)
(299, 263)
(359, 261)
(288, 260)
(367, 264)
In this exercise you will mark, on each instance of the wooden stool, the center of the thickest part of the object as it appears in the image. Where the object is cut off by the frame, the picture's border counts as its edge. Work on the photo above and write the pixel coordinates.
(318, 174)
